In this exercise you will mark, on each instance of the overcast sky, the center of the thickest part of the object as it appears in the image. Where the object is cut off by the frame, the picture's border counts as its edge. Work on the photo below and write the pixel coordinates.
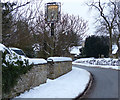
(75, 7)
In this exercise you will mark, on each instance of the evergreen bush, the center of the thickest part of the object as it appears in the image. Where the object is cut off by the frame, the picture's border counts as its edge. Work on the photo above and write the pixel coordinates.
(11, 72)
(96, 46)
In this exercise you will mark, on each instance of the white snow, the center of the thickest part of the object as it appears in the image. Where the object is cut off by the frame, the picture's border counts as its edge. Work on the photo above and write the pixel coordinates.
(69, 85)
(14, 48)
(2, 47)
(36, 47)
(75, 50)
(30, 60)
(37, 61)
(100, 62)
(58, 59)
(13, 56)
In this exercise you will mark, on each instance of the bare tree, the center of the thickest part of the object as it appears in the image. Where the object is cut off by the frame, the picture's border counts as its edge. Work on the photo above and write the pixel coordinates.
(8, 21)
(117, 27)
(68, 32)
(18, 24)
(106, 20)
(29, 27)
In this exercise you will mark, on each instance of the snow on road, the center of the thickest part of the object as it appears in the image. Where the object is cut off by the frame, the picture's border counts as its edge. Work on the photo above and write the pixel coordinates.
(69, 85)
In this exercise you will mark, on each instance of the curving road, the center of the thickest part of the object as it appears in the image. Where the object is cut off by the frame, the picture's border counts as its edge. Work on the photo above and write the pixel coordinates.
(105, 83)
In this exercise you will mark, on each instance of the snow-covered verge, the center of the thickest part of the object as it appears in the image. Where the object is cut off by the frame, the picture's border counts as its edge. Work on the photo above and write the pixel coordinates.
(69, 85)
(100, 62)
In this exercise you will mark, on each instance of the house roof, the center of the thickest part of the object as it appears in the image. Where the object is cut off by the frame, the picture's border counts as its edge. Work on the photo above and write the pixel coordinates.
(114, 49)
(75, 50)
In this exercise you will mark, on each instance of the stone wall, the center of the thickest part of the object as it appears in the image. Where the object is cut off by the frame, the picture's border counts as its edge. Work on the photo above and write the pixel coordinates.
(36, 76)
(39, 74)
(56, 69)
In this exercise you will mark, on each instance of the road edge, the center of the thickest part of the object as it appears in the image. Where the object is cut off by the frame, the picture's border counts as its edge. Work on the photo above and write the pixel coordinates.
(97, 66)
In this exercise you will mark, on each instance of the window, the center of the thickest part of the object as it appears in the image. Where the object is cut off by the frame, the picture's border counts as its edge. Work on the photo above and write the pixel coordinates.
(20, 52)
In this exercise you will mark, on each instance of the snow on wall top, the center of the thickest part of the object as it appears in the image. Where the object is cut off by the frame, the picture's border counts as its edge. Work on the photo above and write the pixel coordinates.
(37, 61)
(58, 59)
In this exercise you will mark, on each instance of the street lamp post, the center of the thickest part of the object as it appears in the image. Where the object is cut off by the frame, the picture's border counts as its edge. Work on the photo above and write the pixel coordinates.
(52, 16)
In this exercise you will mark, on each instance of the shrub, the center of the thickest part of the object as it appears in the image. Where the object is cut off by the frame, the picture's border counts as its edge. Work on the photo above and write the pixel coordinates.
(11, 72)
(96, 46)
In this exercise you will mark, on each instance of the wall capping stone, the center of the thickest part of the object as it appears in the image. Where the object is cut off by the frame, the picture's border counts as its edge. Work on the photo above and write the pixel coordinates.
(58, 68)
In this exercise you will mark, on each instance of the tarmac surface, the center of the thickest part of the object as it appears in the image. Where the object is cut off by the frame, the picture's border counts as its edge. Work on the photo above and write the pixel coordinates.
(105, 83)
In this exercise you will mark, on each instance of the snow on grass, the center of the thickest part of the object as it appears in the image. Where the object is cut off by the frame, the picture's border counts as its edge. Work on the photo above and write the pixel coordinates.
(69, 85)
(100, 62)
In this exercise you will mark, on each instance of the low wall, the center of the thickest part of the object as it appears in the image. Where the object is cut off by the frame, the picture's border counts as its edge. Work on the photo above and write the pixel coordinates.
(57, 67)
(36, 76)
(39, 74)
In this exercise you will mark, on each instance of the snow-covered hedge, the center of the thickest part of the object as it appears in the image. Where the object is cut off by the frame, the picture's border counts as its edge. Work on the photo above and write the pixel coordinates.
(100, 61)
(12, 69)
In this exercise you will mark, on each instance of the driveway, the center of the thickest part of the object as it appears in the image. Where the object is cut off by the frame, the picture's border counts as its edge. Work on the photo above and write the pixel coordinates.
(105, 83)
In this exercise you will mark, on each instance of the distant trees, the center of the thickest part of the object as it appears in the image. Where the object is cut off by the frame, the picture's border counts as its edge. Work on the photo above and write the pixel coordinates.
(117, 27)
(10, 20)
(108, 21)
(68, 32)
(7, 20)
(96, 46)
(26, 28)
(15, 28)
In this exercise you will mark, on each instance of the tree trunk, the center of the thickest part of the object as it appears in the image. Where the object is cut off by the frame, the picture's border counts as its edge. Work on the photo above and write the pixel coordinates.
(110, 42)
(118, 44)
(118, 39)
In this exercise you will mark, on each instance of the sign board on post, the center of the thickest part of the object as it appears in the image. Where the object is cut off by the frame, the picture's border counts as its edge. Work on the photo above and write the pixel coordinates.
(52, 11)
(52, 15)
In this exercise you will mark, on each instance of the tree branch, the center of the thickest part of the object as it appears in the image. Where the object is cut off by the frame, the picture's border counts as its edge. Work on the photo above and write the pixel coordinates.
(19, 6)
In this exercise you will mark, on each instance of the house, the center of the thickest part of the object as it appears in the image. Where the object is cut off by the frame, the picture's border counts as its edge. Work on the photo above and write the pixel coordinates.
(75, 51)
(114, 50)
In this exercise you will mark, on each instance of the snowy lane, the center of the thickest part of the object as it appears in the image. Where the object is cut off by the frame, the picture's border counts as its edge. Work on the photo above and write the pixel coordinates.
(105, 83)
(69, 85)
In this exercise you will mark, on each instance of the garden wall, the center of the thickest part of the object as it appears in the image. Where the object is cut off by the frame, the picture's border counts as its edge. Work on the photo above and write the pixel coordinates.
(58, 66)
(36, 76)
